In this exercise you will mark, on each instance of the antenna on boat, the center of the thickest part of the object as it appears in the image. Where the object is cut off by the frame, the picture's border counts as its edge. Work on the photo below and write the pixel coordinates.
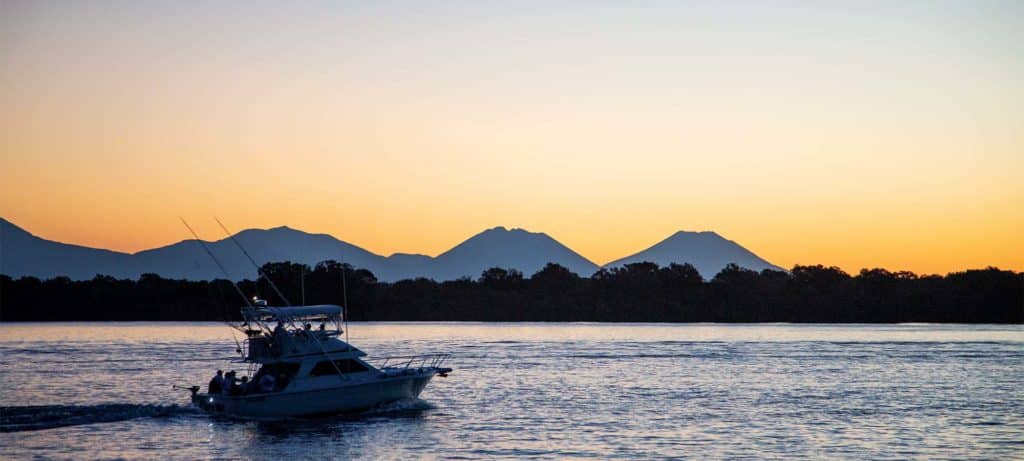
(216, 261)
(344, 301)
(258, 269)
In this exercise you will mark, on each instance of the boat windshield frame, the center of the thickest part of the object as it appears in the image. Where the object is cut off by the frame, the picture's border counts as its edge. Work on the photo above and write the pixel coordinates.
(265, 315)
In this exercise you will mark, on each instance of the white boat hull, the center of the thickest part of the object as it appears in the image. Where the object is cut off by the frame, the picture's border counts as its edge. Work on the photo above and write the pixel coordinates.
(342, 399)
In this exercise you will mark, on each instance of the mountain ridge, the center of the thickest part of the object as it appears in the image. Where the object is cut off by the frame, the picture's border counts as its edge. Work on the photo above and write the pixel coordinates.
(23, 253)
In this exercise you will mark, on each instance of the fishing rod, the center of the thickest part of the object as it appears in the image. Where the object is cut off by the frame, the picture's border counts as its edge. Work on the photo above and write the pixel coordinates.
(238, 346)
(227, 276)
(194, 389)
(216, 261)
(259, 270)
(344, 300)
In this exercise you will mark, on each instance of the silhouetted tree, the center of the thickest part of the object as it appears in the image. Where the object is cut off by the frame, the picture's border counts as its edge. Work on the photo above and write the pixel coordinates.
(635, 292)
(502, 279)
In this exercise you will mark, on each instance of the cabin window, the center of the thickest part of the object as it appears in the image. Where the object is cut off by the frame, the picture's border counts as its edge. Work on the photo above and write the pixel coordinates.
(345, 366)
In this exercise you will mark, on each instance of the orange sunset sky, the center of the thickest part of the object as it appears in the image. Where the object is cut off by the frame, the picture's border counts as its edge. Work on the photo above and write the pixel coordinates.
(858, 134)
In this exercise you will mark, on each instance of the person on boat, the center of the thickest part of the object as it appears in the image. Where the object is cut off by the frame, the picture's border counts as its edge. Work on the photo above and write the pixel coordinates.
(216, 384)
(279, 334)
(304, 332)
(266, 383)
(243, 386)
(229, 383)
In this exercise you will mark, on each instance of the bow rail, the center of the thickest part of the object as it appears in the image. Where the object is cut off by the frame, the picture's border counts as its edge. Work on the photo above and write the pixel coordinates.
(403, 362)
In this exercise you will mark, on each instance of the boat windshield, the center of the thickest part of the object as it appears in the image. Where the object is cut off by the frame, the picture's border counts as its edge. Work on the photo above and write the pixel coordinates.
(283, 373)
(292, 314)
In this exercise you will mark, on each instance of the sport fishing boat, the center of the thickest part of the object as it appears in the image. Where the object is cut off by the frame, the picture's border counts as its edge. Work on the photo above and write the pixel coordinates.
(297, 370)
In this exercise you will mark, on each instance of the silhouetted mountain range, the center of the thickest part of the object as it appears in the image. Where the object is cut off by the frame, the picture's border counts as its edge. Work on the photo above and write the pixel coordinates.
(24, 254)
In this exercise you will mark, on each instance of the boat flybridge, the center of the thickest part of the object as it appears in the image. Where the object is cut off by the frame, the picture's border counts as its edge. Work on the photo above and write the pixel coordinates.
(295, 369)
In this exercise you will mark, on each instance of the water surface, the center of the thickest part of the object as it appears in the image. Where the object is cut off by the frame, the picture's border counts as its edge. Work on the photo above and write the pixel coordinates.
(103, 390)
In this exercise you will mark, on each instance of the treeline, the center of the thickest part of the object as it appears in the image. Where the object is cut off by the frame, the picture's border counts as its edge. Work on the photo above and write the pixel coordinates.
(642, 292)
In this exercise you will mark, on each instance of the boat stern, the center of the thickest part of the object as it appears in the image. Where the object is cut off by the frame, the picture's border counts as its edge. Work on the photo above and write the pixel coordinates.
(207, 402)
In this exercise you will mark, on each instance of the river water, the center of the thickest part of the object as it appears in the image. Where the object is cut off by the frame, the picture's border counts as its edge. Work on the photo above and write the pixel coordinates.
(570, 390)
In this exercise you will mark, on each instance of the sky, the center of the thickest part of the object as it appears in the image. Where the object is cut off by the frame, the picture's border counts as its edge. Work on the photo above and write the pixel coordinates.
(856, 134)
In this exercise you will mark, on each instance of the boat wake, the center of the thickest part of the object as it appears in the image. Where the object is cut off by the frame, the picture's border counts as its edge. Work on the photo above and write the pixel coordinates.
(403, 406)
(33, 418)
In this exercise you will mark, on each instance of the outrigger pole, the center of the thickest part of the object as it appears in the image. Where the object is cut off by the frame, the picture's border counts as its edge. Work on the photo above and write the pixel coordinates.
(216, 261)
(238, 346)
(258, 269)
(344, 300)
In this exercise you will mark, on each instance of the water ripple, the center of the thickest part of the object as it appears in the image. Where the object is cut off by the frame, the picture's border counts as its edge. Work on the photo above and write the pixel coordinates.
(541, 390)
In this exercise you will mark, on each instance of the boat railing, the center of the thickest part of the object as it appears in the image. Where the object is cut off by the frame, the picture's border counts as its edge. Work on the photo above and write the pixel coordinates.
(402, 362)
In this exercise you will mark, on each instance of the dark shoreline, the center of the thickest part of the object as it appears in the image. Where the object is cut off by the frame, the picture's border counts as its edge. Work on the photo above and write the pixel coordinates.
(23, 322)
(637, 293)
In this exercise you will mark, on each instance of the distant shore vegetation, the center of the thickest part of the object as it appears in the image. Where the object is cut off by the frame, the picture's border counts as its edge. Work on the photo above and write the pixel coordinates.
(641, 292)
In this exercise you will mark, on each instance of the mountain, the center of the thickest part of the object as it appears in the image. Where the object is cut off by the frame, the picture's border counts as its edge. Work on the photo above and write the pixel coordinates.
(707, 251)
(22, 253)
(188, 260)
(402, 266)
(525, 251)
